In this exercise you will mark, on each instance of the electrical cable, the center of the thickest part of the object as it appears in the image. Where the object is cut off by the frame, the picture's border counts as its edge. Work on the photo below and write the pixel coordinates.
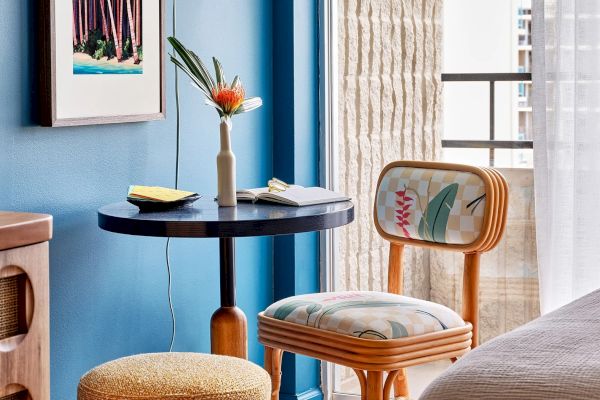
(169, 285)
(169, 291)
(176, 104)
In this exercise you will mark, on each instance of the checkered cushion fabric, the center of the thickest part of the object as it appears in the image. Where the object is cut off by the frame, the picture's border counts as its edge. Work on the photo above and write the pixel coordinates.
(432, 205)
(368, 315)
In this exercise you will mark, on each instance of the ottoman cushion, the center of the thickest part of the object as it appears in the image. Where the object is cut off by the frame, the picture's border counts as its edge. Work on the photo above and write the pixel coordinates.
(175, 376)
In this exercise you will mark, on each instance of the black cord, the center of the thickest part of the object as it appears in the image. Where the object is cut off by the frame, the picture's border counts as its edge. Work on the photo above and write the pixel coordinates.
(169, 285)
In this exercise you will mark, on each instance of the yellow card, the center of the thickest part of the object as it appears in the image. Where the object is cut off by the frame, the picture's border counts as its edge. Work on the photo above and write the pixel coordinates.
(158, 193)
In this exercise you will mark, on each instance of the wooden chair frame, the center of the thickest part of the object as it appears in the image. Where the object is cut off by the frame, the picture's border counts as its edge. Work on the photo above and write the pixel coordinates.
(370, 359)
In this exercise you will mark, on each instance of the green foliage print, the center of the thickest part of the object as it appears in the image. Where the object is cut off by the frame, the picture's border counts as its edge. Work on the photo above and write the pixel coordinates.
(311, 307)
(434, 317)
(435, 217)
(368, 333)
(344, 305)
(288, 308)
(398, 329)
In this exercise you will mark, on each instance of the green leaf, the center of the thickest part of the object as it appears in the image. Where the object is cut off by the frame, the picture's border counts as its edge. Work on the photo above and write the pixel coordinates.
(434, 221)
(207, 76)
(191, 63)
(209, 102)
(344, 305)
(432, 316)
(219, 72)
(249, 104)
(313, 308)
(197, 82)
(398, 330)
(220, 111)
(287, 308)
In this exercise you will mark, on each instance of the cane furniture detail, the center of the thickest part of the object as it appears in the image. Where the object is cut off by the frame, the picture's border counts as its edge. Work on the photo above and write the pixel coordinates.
(434, 205)
(24, 306)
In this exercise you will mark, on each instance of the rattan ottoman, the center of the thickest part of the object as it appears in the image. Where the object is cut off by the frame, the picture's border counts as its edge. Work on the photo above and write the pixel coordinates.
(180, 376)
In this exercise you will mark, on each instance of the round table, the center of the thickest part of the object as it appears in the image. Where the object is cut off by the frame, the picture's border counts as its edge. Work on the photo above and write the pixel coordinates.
(205, 219)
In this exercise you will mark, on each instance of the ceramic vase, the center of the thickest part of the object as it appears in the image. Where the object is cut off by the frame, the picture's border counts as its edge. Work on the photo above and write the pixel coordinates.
(226, 168)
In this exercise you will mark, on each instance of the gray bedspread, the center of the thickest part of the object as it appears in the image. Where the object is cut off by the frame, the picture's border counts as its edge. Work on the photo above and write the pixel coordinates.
(556, 356)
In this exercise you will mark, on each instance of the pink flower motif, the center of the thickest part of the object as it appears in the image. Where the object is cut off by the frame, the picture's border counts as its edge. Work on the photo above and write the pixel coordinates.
(402, 212)
(344, 296)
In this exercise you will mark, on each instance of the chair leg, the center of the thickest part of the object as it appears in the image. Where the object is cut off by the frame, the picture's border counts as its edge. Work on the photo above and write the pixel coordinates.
(401, 384)
(273, 367)
(389, 383)
(362, 380)
(470, 296)
(375, 385)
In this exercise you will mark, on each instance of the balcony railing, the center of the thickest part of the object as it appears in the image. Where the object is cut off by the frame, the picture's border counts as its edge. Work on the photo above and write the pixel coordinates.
(491, 143)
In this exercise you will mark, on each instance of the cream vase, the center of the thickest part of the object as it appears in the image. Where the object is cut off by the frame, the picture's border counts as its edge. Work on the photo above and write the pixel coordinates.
(226, 168)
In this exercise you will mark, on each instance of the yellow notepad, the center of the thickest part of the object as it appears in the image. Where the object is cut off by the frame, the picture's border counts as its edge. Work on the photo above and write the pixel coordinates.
(157, 193)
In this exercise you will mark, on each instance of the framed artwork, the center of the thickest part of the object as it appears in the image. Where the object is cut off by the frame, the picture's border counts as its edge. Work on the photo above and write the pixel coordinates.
(101, 62)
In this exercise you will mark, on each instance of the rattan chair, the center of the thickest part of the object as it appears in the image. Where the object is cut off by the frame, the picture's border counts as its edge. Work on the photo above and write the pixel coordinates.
(434, 205)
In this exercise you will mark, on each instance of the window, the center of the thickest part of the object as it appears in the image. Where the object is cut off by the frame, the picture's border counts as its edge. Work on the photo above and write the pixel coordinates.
(487, 83)
(385, 103)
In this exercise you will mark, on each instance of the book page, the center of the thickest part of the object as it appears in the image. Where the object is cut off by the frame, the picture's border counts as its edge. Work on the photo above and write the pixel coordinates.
(253, 194)
(158, 193)
(250, 194)
(300, 196)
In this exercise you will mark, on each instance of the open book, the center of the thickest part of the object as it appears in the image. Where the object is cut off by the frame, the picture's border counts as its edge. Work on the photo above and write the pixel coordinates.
(294, 195)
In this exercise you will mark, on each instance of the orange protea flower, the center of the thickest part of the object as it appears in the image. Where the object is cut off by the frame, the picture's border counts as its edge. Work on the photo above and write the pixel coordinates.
(228, 98)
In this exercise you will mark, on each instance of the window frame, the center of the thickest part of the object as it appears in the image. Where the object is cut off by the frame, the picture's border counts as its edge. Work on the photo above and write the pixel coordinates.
(328, 157)
(490, 143)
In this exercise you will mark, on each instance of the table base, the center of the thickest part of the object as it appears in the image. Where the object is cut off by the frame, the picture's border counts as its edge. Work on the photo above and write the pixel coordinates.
(229, 332)
(228, 325)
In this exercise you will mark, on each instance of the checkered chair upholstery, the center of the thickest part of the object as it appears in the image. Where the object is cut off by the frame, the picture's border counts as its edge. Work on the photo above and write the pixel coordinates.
(433, 205)
(365, 314)
(425, 204)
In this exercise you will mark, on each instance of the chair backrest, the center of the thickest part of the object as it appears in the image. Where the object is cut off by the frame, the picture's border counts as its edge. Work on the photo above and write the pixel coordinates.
(449, 206)
(446, 206)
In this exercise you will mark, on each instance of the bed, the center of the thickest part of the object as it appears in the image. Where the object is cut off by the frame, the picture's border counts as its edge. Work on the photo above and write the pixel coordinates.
(556, 356)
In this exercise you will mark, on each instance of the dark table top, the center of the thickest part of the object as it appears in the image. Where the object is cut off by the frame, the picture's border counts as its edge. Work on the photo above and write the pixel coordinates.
(206, 219)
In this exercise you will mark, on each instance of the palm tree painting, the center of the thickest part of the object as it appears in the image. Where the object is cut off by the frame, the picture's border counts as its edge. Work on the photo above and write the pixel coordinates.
(107, 37)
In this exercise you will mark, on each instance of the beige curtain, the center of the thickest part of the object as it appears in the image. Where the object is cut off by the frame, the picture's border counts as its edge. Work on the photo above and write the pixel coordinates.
(389, 109)
(509, 277)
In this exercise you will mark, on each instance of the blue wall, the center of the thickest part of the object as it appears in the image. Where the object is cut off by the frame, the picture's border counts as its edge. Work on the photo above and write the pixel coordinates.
(296, 139)
(108, 291)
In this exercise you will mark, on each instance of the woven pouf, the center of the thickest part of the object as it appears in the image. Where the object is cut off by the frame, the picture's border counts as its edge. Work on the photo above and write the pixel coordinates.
(180, 376)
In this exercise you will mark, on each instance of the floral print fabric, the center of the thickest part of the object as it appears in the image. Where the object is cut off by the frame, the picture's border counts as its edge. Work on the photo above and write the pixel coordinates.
(440, 206)
(368, 315)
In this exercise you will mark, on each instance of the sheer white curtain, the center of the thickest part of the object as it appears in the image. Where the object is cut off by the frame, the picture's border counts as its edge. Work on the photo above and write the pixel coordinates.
(566, 75)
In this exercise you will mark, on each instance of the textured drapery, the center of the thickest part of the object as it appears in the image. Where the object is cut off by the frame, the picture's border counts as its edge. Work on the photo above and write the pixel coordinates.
(508, 295)
(566, 68)
(389, 109)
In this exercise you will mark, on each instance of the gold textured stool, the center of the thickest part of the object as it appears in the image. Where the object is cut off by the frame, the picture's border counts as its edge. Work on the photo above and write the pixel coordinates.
(181, 376)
